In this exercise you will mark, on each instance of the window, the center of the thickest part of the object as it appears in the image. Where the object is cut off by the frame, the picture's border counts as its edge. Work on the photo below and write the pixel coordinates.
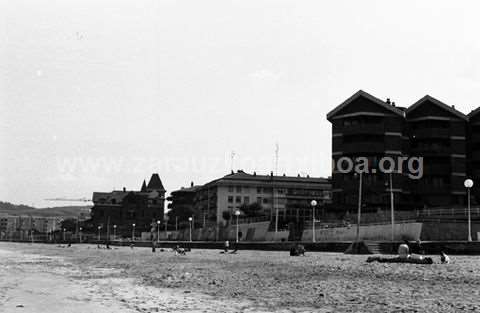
(245, 189)
(239, 188)
(230, 199)
(238, 199)
(246, 200)
(230, 188)
(259, 189)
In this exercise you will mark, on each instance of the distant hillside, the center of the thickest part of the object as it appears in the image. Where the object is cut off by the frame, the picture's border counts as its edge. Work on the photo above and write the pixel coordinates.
(70, 211)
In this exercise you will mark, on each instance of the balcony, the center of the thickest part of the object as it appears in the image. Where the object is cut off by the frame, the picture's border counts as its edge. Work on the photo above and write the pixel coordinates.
(363, 147)
(431, 133)
(476, 155)
(475, 137)
(431, 151)
(432, 169)
(374, 129)
(476, 174)
(427, 189)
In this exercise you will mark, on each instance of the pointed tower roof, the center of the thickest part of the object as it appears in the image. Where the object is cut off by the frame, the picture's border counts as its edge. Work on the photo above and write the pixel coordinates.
(155, 183)
(144, 186)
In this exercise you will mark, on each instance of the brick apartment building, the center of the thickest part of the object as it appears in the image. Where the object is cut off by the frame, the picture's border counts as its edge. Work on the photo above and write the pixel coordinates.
(124, 208)
(369, 127)
(290, 196)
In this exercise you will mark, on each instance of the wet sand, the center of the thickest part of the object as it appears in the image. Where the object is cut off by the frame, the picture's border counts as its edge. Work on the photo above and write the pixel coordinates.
(46, 278)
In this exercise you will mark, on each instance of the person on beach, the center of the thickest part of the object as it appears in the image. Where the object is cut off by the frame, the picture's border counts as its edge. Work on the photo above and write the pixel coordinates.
(445, 259)
(418, 248)
(226, 246)
(153, 246)
(403, 251)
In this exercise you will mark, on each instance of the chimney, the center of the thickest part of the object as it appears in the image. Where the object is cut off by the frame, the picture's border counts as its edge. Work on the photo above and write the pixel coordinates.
(271, 173)
(254, 173)
(453, 107)
(124, 189)
(393, 103)
(298, 175)
(388, 100)
(191, 184)
(284, 175)
(308, 176)
(232, 172)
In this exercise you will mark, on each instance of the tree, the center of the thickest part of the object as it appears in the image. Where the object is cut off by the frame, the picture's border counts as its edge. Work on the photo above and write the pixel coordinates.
(252, 210)
(69, 224)
(226, 215)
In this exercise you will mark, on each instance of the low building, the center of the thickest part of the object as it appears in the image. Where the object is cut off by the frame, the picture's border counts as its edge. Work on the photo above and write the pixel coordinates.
(283, 198)
(20, 226)
(124, 208)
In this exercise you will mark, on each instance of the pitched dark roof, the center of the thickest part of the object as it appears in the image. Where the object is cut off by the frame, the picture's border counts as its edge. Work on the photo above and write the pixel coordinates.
(368, 96)
(189, 189)
(474, 112)
(155, 183)
(144, 186)
(439, 104)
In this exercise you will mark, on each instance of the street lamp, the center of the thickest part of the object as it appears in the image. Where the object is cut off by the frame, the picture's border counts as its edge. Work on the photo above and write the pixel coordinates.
(165, 218)
(359, 213)
(64, 230)
(80, 235)
(158, 231)
(392, 206)
(313, 203)
(237, 213)
(99, 227)
(133, 232)
(469, 184)
(190, 221)
(114, 232)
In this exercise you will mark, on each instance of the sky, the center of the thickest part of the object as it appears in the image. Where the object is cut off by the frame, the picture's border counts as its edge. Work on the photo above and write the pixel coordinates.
(97, 95)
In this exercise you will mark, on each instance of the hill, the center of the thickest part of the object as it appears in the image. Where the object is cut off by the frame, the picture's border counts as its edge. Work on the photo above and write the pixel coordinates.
(68, 211)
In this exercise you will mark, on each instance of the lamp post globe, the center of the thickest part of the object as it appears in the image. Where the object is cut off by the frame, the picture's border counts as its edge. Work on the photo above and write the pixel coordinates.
(468, 183)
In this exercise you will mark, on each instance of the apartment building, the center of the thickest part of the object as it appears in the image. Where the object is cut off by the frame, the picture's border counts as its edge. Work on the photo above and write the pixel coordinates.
(445, 139)
(365, 126)
(474, 151)
(438, 133)
(284, 197)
